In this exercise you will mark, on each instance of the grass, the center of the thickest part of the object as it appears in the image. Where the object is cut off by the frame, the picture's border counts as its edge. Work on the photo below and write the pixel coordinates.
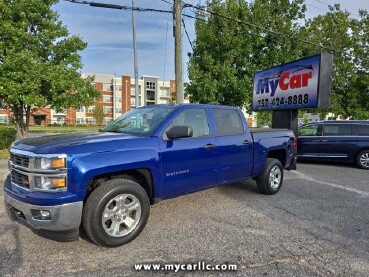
(4, 154)
(62, 129)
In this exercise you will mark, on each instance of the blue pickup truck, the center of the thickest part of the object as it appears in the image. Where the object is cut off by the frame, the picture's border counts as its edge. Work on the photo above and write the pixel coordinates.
(106, 181)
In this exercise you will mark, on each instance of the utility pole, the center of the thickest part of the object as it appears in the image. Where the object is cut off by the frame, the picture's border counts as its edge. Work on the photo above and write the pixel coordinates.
(178, 50)
(137, 93)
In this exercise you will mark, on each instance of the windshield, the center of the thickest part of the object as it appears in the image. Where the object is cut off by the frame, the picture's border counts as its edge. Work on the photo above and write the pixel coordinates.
(141, 121)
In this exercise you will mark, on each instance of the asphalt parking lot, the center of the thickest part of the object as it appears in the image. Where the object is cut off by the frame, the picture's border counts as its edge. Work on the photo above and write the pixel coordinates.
(317, 225)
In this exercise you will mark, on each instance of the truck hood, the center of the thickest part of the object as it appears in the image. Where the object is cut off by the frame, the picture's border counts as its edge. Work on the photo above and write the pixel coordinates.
(74, 143)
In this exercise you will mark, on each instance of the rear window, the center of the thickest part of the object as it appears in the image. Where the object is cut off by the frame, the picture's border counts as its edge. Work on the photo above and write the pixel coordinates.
(228, 122)
(360, 129)
(337, 130)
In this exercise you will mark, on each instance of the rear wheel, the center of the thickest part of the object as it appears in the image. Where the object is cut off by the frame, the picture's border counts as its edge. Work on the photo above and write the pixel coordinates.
(362, 159)
(270, 181)
(116, 212)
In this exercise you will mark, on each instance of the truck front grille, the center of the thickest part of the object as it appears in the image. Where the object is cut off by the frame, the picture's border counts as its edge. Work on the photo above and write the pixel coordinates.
(20, 179)
(19, 160)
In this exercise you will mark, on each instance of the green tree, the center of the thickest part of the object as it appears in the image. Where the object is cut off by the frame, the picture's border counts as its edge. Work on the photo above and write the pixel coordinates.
(39, 61)
(227, 53)
(346, 39)
(98, 114)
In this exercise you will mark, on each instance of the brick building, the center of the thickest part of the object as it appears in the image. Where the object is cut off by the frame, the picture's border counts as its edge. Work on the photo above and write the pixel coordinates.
(117, 97)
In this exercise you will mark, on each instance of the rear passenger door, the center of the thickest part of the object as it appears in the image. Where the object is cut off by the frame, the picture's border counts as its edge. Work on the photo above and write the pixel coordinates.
(309, 141)
(234, 147)
(337, 141)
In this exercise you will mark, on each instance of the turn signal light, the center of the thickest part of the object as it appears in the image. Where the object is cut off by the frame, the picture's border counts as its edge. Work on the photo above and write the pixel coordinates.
(58, 183)
(58, 163)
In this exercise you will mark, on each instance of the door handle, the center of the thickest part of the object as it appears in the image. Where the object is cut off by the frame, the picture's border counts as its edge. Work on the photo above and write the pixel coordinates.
(209, 145)
(324, 140)
(316, 140)
(247, 142)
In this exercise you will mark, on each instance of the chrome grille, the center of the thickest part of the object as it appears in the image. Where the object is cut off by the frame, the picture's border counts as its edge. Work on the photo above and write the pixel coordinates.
(19, 160)
(20, 179)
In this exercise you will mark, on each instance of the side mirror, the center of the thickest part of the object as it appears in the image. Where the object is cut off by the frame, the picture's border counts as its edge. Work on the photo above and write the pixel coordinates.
(179, 132)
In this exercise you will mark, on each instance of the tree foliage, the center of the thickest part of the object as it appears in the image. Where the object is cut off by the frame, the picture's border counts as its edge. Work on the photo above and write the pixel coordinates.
(39, 61)
(98, 114)
(227, 53)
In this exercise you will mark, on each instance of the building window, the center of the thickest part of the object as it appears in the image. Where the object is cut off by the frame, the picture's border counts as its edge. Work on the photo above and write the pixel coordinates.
(107, 109)
(91, 121)
(151, 95)
(165, 93)
(106, 98)
(4, 119)
(118, 99)
(133, 101)
(91, 109)
(80, 121)
(80, 110)
(106, 87)
(107, 121)
(150, 85)
(118, 88)
(118, 110)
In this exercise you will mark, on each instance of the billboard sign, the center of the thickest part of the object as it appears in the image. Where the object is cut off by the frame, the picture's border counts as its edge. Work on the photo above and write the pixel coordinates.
(300, 84)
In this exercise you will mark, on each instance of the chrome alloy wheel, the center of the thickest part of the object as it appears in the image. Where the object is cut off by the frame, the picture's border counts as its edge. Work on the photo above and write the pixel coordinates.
(121, 215)
(275, 177)
(364, 159)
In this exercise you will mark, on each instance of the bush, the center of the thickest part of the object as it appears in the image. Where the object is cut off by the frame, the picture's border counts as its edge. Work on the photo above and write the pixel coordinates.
(7, 136)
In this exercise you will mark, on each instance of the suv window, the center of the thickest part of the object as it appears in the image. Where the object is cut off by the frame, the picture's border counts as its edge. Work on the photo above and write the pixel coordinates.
(196, 118)
(337, 130)
(360, 129)
(228, 122)
(310, 130)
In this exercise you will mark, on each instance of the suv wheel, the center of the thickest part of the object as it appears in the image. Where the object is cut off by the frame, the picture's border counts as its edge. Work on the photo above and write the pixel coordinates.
(362, 159)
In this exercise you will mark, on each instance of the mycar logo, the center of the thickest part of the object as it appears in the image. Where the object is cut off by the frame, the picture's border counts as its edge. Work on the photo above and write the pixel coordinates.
(290, 78)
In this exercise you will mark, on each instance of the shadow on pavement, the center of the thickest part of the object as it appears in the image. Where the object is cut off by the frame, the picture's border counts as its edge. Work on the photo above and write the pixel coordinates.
(10, 250)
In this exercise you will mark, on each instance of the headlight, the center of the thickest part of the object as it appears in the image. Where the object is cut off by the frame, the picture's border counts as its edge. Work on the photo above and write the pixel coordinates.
(50, 163)
(50, 183)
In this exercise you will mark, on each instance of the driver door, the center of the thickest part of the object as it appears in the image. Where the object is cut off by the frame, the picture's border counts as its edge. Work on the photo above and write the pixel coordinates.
(189, 164)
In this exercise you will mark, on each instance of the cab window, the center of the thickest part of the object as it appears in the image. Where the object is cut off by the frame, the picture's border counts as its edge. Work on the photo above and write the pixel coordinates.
(195, 118)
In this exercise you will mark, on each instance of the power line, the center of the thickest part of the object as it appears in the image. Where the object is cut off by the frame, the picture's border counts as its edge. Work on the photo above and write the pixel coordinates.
(117, 7)
(329, 5)
(271, 31)
(165, 1)
(188, 37)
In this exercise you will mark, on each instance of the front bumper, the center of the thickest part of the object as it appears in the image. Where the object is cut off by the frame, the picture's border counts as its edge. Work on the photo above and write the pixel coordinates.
(64, 217)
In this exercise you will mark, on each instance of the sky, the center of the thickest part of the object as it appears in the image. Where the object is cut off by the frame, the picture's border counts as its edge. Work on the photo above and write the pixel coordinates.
(108, 34)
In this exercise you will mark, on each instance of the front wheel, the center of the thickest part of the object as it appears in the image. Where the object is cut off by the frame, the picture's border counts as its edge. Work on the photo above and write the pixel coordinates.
(362, 160)
(116, 212)
(270, 181)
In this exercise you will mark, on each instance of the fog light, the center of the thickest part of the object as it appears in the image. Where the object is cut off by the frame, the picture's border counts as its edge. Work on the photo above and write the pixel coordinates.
(58, 183)
(41, 214)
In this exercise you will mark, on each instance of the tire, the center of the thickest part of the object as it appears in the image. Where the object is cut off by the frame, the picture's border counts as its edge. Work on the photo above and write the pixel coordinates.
(116, 212)
(362, 159)
(270, 181)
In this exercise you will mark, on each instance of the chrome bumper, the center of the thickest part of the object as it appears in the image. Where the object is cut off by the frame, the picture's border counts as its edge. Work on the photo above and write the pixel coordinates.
(62, 217)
